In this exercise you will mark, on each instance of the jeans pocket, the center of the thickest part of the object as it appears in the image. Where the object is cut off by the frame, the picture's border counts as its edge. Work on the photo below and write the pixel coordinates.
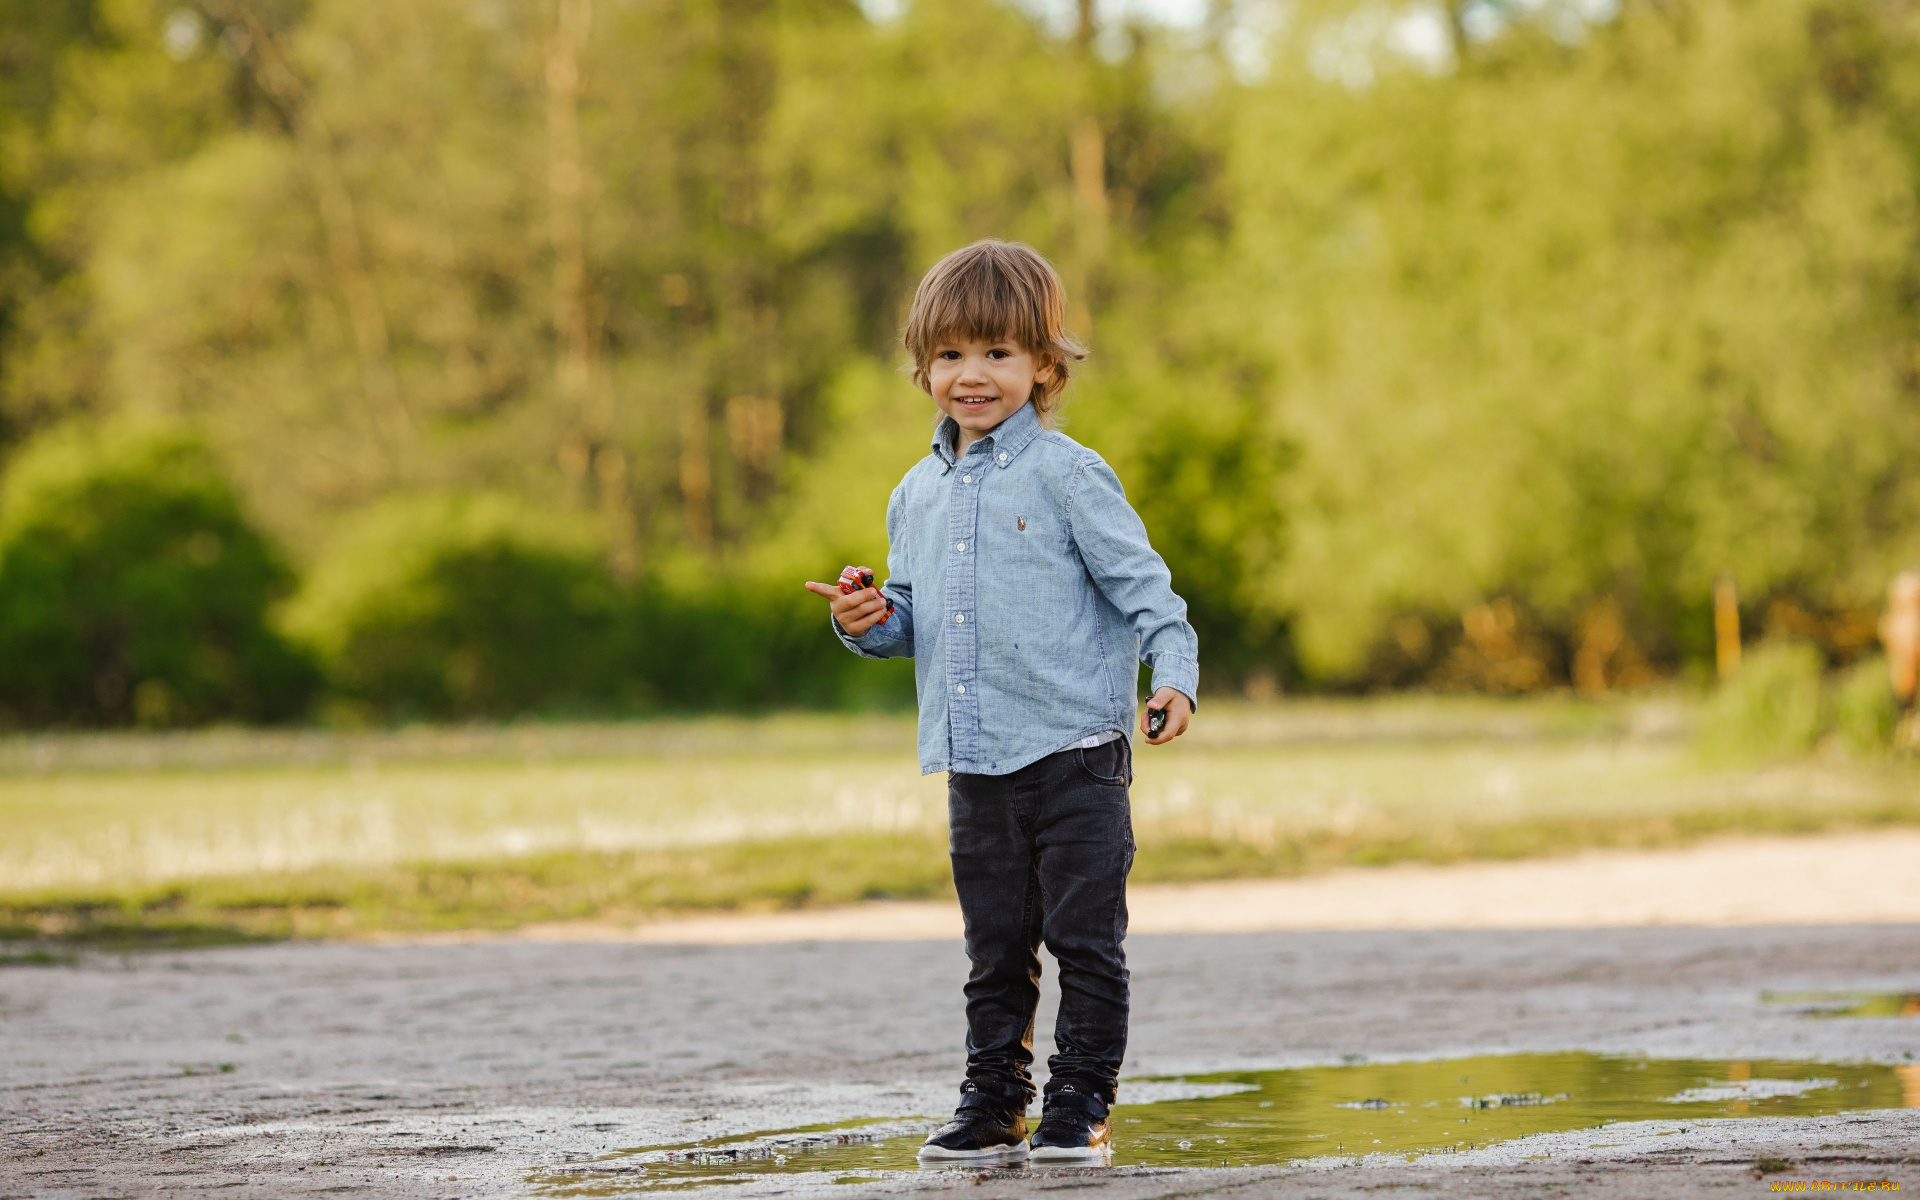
(1108, 763)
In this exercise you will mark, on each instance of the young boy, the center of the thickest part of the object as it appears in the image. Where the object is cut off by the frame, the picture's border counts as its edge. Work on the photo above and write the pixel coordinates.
(1025, 590)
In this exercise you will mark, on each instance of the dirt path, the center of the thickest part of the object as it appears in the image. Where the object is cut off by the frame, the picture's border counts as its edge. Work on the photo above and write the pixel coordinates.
(516, 1067)
(1835, 879)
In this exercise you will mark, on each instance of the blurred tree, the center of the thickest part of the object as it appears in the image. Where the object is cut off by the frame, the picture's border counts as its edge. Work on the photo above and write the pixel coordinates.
(93, 94)
(1596, 322)
(1464, 344)
(33, 38)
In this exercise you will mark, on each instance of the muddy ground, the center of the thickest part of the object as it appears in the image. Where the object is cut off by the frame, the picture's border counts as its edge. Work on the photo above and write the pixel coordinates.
(477, 1070)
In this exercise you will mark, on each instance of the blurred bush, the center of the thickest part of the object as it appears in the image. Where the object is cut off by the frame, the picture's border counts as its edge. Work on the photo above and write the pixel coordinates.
(134, 589)
(1774, 704)
(464, 606)
(1783, 701)
(740, 643)
(1865, 711)
(477, 606)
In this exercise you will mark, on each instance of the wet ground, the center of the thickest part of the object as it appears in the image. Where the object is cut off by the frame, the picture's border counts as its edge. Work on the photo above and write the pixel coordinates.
(1483, 1063)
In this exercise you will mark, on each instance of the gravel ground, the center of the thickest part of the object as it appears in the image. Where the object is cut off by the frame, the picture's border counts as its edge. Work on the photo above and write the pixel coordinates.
(465, 1070)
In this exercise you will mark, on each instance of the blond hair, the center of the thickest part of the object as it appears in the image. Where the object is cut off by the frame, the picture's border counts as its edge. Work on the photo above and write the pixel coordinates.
(995, 291)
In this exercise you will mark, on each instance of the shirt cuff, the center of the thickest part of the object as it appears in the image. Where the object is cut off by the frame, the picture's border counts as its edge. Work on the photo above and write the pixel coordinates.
(1180, 673)
(868, 644)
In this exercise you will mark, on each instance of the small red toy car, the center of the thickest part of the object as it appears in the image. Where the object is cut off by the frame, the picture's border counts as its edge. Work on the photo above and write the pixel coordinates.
(855, 579)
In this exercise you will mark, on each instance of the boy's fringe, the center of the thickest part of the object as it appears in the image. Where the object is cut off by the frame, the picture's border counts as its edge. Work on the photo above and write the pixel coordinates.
(994, 291)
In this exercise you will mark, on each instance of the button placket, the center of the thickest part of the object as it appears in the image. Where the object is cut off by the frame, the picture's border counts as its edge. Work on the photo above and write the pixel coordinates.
(963, 714)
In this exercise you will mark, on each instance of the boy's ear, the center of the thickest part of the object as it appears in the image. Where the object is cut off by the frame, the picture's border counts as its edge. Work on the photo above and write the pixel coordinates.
(1045, 373)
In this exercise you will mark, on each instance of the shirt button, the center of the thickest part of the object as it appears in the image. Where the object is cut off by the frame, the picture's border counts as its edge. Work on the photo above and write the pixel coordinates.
(966, 479)
(1003, 457)
(961, 689)
(960, 546)
(959, 618)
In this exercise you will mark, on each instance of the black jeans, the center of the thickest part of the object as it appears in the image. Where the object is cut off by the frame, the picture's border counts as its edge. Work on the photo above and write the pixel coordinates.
(1040, 855)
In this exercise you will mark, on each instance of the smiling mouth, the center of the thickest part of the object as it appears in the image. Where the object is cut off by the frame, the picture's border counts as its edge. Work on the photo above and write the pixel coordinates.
(975, 401)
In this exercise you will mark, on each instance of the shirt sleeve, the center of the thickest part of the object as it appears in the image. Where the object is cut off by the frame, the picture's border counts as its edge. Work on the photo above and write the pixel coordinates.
(892, 638)
(1113, 543)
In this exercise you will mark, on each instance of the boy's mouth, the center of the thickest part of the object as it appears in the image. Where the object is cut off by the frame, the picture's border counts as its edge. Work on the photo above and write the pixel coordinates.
(975, 401)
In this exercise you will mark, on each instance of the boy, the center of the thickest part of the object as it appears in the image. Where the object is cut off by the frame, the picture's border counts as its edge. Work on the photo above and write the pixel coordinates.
(1024, 588)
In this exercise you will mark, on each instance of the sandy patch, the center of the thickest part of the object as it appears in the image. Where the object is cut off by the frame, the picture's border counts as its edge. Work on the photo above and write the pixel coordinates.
(1824, 880)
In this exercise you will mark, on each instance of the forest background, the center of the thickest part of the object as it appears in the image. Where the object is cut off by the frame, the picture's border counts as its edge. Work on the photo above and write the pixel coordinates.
(467, 358)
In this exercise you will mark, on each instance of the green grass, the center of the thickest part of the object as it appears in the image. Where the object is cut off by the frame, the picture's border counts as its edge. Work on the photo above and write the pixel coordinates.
(188, 839)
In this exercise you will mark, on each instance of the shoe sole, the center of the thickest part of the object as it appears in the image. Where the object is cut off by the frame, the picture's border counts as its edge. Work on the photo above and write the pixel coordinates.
(1070, 1155)
(940, 1154)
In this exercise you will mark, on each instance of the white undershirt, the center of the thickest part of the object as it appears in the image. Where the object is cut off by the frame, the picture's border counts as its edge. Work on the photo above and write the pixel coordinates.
(1096, 739)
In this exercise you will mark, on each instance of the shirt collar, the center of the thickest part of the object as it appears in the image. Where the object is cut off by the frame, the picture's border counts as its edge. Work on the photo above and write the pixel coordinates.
(1006, 442)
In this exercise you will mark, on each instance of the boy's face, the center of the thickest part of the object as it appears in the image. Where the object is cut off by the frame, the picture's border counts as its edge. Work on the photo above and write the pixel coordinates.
(980, 384)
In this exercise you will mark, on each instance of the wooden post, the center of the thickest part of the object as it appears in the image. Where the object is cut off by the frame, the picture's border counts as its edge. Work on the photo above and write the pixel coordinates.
(1726, 626)
(1900, 634)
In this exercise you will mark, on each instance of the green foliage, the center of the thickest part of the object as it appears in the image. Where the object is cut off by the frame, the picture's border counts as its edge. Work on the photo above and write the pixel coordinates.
(473, 606)
(464, 607)
(1208, 493)
(133, 588)
(1773, 705)
(1564, 323)
(1571, 318)
(1781, 701)
(1865, 710)
(94, 95)
(740, 644)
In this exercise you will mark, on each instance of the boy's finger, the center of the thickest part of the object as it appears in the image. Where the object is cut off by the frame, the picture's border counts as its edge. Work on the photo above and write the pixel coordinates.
(858, 606)
(823, 589)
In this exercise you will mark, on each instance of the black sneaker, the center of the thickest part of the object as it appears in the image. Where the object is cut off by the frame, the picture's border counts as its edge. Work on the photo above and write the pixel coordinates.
(1073, 1131)
(978, 1133)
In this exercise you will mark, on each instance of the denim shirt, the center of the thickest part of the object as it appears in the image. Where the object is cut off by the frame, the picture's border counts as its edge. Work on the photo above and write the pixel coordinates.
(1025, 590)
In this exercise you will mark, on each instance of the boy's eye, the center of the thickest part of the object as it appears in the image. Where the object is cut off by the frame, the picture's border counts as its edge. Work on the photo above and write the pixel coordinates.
(950, 355)
(998, 354)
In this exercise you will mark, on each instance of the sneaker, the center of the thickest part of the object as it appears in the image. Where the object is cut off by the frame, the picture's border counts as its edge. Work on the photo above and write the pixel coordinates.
(1073, 1130)
(978, 1133)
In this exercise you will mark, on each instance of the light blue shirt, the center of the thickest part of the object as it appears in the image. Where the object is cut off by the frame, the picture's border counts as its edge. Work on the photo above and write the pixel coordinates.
(1025, 591)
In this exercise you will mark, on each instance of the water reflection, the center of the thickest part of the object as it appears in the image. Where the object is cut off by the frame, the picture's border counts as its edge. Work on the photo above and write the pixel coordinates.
(1848, 1004)
(1265, 1117)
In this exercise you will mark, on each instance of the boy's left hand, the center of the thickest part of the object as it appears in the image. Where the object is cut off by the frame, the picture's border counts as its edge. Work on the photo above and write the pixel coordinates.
(1179, 713)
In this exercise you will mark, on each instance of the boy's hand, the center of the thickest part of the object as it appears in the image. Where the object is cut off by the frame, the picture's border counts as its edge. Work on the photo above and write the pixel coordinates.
(858, 611)
(1179, 713)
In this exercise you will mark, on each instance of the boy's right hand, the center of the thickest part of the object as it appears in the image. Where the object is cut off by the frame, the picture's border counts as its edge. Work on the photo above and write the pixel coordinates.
(856, 612)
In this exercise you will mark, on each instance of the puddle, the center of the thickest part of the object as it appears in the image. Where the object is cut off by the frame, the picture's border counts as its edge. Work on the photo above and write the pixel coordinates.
(1847, 1004)
(1265, 1117)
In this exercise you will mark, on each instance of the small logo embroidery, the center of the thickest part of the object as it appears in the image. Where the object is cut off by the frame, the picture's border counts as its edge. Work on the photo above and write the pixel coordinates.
(1022, 522)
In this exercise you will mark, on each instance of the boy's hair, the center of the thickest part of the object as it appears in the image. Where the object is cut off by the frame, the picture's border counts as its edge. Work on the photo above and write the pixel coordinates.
(995, 291)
